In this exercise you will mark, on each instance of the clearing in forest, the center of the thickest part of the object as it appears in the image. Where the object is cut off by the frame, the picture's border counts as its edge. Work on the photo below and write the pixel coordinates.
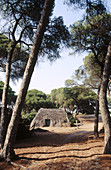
(63, 148)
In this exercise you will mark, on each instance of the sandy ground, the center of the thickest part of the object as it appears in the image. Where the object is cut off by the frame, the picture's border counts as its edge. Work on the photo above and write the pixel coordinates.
(66, 148)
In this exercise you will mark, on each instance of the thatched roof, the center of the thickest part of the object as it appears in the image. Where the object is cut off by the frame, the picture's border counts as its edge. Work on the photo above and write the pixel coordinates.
(53, 117)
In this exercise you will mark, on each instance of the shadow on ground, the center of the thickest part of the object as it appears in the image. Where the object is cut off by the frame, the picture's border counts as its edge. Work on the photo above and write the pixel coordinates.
(41, 137)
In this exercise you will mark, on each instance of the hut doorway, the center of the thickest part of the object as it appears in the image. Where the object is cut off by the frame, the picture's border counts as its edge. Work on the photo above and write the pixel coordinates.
(47, 122)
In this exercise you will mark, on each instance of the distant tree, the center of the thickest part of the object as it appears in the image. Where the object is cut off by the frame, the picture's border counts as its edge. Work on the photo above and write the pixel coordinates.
(70, 82)
(94, 81)
(78, 96)
(57, 96)
(36, 99)
(89, 75)
(81, 97)
(93, 71)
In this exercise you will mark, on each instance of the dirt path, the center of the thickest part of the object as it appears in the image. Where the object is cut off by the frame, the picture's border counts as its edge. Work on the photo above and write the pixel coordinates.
(62, 149)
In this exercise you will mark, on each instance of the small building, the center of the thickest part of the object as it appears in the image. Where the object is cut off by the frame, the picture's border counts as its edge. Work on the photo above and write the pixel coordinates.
(50, 118)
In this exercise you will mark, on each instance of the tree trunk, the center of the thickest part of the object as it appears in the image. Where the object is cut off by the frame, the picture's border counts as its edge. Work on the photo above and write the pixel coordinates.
(4, 115)
(103, 102)
(96, 134)
(12, 128)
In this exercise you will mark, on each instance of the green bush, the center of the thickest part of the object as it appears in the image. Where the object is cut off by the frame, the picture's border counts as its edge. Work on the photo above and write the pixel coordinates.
(27, 118)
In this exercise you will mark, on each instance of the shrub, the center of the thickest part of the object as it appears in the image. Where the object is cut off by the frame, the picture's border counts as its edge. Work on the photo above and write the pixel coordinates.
(27, 118)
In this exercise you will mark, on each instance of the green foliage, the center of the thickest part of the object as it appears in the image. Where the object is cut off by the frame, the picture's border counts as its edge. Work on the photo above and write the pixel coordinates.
(92, 35)
(19, 59)
(27, 118)
(92, 66)
(11, 94)
(36, 99)
(56, 36)
(95, 8)
(57, 96)
(80, 96)
(4, 46)
(93, 71)
(70, 83)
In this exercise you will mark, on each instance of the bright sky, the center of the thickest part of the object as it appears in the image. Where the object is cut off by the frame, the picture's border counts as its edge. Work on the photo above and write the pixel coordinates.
(48, 76)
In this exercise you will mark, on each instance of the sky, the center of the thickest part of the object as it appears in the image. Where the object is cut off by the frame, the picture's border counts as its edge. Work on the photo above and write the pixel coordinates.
(48, 76)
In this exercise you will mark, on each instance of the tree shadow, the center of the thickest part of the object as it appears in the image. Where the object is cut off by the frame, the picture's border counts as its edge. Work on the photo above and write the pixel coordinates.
(47, 138)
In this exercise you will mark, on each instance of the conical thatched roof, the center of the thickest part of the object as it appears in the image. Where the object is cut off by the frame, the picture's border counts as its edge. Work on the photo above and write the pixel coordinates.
(50, 117)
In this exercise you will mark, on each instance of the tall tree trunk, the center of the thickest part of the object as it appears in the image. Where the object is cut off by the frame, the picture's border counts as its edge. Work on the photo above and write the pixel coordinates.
(103, 102)
(4, 115)
(12, 128)
(96, 120)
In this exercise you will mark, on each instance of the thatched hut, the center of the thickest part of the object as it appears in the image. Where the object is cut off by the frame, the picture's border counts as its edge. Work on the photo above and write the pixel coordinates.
(50, 117)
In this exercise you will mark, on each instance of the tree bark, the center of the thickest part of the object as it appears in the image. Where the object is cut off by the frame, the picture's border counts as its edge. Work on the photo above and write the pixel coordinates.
(4, 115)
(103, 102)
(96, 120)
(12, 128)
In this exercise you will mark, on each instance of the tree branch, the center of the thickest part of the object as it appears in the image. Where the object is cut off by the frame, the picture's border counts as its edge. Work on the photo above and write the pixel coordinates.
(26, 43)
(15, 26)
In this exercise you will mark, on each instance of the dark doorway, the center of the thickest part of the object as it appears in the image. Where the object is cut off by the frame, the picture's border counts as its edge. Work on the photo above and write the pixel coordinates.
(47, 122)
